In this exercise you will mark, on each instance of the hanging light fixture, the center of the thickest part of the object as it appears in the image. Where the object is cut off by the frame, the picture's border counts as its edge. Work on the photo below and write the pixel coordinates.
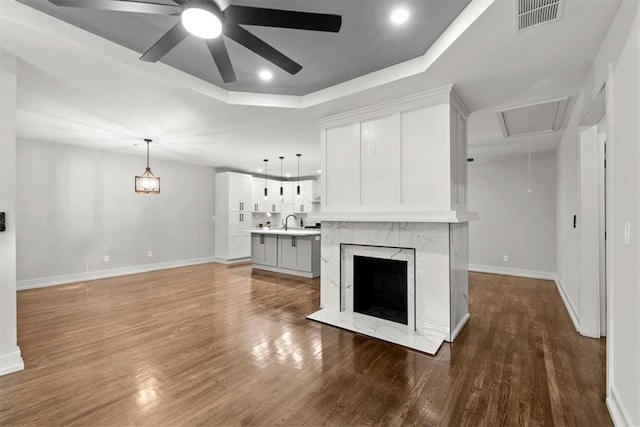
(298, 187)
(266, 192)
(281, 187)
(147, 183)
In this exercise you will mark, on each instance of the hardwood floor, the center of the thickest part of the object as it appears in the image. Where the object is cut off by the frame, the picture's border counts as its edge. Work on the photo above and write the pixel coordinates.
(218, 345)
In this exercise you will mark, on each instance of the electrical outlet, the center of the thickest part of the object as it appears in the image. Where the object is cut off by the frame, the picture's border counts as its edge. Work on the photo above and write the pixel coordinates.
(106, 258)
(149, 254)
(505, 258)
(627, 234)
(371, 149)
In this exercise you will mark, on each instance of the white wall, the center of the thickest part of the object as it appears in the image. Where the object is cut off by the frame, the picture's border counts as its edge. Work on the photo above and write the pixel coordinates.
(512, 221)
(621, 48)
(10, 359)
(75, 205)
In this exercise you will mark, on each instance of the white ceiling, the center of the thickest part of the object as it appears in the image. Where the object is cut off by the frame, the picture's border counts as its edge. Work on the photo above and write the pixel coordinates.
(77, 88)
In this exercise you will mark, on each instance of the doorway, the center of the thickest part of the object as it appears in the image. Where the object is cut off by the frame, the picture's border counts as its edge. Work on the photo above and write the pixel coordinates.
(593, 214)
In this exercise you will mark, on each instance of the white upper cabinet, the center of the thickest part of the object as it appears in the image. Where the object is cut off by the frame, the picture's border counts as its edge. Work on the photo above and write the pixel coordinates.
(274, 202)
(258, 202)
(238, 191)
(303, 202)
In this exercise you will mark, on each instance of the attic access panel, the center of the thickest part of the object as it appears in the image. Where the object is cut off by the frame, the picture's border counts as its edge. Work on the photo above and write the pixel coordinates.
(541, 117)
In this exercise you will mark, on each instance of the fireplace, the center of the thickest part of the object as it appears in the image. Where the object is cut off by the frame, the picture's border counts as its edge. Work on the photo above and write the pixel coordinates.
(380, 288)
(394, 189)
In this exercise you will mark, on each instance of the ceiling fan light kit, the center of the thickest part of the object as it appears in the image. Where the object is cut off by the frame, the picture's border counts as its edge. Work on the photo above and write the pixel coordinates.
(202, 20)
(205, 20)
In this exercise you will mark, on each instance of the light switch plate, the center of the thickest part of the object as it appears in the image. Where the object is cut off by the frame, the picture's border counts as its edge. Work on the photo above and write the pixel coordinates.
(627, 234)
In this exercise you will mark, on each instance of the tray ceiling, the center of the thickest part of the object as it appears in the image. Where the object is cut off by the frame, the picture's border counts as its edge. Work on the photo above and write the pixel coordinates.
(367, 42)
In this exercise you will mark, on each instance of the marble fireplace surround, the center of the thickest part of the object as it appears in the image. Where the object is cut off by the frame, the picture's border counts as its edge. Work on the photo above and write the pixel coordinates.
(347, 288)
(437, 298)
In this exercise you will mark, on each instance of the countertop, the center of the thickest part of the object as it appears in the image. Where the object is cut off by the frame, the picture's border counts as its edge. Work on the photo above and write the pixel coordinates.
(290, 232)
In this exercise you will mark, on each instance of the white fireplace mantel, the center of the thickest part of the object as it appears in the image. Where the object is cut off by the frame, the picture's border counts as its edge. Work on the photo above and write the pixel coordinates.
(451, 217)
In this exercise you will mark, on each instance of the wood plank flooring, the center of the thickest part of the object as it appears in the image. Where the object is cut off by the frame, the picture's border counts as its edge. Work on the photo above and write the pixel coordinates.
(220, 345)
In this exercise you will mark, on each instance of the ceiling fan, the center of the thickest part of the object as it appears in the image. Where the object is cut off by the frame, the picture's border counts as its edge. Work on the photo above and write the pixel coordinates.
(208, 19)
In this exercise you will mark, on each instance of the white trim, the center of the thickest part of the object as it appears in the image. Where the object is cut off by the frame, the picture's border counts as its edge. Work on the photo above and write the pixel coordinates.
(11, 362)
(307, 274)
(103, 274)
(459, 327)
(573, 313)
(531, 274)
(400, 216)
(232, 260)
(619, 415)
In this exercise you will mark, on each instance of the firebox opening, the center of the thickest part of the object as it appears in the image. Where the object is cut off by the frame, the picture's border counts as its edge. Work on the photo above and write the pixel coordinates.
(380, 288)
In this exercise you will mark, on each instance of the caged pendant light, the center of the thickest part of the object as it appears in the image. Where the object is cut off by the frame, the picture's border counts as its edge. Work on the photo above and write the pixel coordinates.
(266, 192)
(281, 187)
(147, 183)
(298, 187)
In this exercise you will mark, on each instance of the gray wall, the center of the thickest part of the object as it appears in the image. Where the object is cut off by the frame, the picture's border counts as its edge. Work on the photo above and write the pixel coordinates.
(76, 205)
(512, 221)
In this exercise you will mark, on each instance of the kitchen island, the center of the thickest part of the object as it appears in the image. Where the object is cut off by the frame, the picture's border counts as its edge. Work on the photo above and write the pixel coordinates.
(294, 251)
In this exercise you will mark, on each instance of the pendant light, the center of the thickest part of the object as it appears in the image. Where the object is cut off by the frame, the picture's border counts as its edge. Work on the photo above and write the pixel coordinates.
(147, 183)
(298, 187)
(266, 192)
(281, 187)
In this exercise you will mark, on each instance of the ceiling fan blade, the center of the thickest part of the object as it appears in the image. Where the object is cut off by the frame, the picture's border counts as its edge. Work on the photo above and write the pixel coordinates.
(221, 58)
(254, 44)
(166, 43)
(282, 18)
(222, 4)
(122, 6)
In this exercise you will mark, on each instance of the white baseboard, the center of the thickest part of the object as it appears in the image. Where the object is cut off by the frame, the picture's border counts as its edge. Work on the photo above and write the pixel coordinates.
(232, 260)
(11, 362)
(506, 271)
(104, 274)
(568, 304)
(617, 411)
(459, 327)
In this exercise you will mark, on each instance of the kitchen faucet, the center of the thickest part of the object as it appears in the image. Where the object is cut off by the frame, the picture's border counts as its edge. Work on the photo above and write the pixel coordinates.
(287, 218)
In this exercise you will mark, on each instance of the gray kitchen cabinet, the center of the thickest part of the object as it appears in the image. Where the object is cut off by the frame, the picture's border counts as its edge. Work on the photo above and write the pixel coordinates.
(288, 252)
(300, 253)
(295, 252)
(264, 249)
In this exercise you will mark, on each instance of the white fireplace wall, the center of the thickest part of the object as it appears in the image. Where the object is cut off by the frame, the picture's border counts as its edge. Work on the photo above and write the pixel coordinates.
(459, 259)
(407, 155)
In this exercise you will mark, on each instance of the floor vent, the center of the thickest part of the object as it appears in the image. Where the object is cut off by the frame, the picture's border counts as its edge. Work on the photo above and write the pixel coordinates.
(532, 13)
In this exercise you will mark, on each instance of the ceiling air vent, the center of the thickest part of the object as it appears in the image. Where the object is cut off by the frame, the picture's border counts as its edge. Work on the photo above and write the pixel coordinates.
(541, 117)
(532, 13)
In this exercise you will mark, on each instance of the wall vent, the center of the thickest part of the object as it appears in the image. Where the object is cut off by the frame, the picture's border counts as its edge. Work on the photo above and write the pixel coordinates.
(532, 13)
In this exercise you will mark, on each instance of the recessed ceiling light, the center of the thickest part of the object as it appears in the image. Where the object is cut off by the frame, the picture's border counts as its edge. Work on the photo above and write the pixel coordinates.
(260, 170)
(319, 170)
(399, 16)
(266, 75)
(288, 175)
